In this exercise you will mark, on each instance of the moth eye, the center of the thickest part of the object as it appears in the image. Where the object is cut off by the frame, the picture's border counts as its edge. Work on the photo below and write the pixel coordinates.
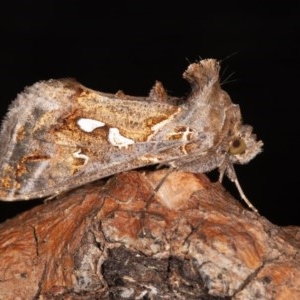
(237, 146)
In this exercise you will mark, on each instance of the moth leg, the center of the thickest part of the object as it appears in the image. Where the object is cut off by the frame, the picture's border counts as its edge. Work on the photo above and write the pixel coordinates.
(227, 167)
(158, 186)
(150, 198)
(243, 196)
(221, 173)
(55, 195)
(50, 198)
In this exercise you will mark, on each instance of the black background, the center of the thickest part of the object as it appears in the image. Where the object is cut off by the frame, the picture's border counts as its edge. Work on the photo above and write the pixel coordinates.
(128, 45)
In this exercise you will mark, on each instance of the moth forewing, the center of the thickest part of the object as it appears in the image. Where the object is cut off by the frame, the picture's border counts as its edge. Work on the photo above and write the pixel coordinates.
(59, 134)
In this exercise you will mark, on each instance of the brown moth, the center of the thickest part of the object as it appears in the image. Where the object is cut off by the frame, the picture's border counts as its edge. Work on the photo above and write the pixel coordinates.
(59, 135)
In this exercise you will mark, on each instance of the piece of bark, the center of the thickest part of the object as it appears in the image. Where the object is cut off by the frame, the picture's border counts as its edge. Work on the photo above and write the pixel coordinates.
(122, 239)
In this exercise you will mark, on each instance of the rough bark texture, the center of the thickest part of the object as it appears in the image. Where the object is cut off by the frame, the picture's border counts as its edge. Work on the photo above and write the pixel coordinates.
(120, 239)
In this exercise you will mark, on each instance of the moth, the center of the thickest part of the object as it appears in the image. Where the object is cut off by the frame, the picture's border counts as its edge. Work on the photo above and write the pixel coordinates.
(58, 134)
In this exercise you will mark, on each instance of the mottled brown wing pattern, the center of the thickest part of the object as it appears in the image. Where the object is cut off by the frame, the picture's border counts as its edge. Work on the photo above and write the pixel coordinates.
(59, 134)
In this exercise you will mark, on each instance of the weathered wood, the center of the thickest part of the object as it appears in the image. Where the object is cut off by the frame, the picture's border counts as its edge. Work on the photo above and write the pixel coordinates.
(122, 240)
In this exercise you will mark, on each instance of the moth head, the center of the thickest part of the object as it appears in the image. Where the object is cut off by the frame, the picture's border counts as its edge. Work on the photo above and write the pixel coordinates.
(244, 146)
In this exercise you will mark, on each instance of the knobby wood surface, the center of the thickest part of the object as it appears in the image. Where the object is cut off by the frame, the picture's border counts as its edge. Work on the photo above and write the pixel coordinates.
(121, 239)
